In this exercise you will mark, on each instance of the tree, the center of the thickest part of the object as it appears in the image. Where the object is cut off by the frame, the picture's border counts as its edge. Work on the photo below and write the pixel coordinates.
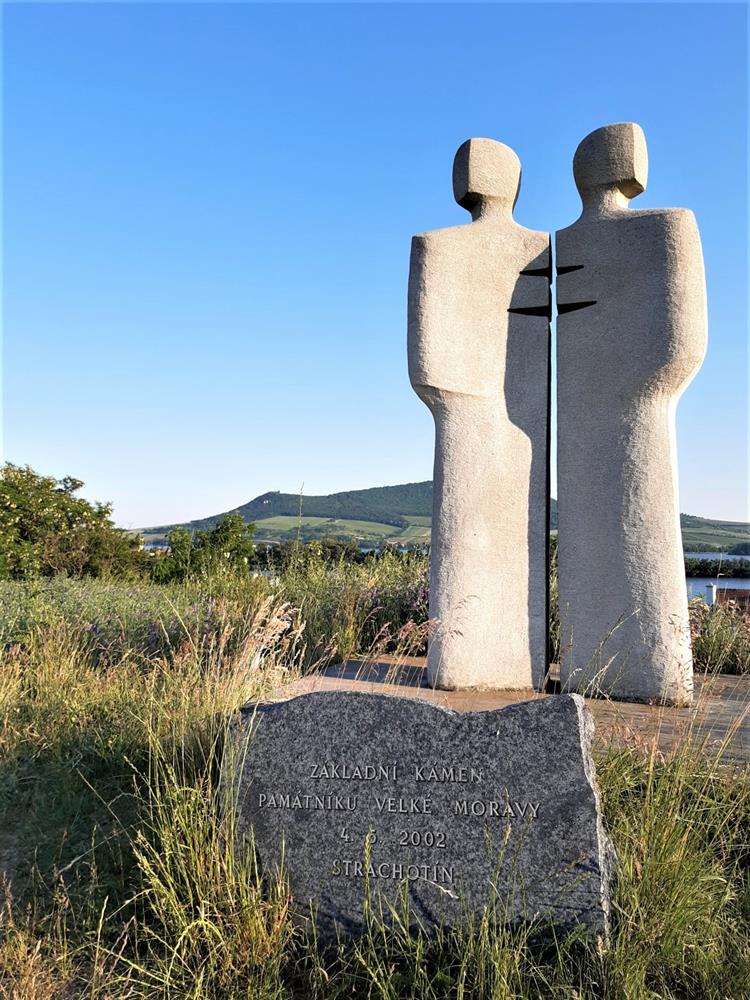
(228, 545)
(46, 529)
(230, 541)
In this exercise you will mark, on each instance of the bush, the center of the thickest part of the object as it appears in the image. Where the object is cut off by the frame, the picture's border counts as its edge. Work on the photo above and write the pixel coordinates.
(45, 529)
(721, 637)
(713, 568)
(227, 547)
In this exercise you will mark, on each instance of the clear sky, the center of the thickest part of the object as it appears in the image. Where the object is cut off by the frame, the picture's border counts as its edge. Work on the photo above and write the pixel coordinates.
(208, 210)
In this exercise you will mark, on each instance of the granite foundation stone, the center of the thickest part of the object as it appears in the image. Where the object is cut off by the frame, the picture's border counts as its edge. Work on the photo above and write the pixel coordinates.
(361, 793)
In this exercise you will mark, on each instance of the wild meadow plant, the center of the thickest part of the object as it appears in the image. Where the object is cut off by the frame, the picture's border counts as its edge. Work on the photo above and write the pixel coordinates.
(345, 607)
(123, 875)
(127, 880)
(721, 637)
(356, 605)
(84, 780)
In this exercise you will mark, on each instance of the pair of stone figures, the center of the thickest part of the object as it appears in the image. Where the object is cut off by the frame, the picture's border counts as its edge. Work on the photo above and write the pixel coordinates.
(631, 334)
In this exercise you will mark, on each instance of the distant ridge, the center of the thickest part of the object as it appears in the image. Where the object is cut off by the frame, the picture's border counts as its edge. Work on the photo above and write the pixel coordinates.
(396, 506)
(399, 514)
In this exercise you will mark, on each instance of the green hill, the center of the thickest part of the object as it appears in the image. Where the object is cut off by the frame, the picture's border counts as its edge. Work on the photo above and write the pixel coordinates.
(383, 512)
(400, 514)
(700, 533)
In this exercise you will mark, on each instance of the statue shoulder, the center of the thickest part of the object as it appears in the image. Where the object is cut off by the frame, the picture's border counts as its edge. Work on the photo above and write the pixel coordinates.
(674, 228)
(683, 218)
(449, 234)
(673, 223)
(508, 234)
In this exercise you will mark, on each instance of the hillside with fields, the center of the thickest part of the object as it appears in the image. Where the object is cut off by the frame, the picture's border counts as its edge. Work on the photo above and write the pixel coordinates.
(384, 513)
(400, 515)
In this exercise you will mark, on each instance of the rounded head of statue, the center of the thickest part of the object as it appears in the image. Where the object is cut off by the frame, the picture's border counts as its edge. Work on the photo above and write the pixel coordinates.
(613, 157)
(485, 171)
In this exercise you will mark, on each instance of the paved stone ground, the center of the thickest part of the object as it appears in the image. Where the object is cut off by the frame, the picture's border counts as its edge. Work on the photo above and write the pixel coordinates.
(718, 720)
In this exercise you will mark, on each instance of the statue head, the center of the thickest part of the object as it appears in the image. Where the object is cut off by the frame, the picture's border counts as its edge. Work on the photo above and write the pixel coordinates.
(612, 158)
(486, 172)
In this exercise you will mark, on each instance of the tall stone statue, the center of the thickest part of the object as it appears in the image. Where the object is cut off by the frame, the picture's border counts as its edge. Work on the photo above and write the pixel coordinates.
(479, 358)
(631, 334)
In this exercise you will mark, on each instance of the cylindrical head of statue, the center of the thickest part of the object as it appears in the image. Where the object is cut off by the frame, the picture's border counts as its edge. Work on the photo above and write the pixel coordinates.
(612, 158)
(486, 173)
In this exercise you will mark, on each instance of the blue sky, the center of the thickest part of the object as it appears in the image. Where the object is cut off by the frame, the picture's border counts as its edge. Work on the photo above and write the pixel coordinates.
(208, 210)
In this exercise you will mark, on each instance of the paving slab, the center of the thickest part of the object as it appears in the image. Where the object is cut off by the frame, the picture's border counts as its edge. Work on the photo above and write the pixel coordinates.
(718, 718)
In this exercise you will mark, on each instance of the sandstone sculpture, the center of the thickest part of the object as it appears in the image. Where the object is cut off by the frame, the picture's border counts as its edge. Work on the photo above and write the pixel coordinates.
(631, 334)
(478, 357)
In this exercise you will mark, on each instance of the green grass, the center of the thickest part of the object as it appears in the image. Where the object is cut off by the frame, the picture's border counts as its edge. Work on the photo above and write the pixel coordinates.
(710, 536)
(283, 527)
(125, 882)
(271, 528)
(710, 540)
(414, 533)
(700, 532)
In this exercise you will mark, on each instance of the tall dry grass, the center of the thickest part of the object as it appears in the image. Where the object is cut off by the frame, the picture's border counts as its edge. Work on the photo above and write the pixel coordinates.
(124, 878)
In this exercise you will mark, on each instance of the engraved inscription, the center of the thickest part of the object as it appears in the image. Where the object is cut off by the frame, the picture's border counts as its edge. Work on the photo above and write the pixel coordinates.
(410, 840)
(358, 869)
(421, 838)
(366, 803)
(503, 810)
(356, 772)
(279, 800)
(460, 773)
(403, 805)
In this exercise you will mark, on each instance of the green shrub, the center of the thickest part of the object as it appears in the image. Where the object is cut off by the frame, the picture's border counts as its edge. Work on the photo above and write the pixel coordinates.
(226, 547)
(721, 637)
(46, 529)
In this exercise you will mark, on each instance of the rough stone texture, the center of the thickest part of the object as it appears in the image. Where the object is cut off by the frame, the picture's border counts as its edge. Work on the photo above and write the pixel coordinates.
(631, 334)
(523, 774)
(478, 357)
(717, 720)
